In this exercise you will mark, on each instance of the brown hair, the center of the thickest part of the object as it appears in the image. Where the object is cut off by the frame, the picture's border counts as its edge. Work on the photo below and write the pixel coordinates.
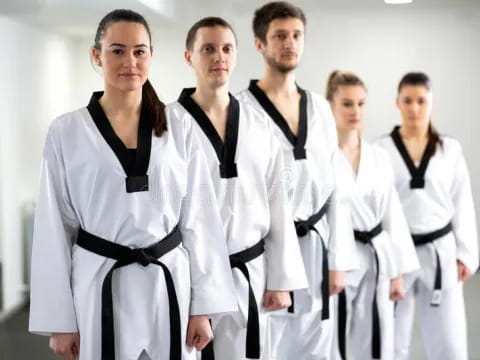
(210, 21)
(341, 78)
(422, 79)
(272, 11)
(154, 107)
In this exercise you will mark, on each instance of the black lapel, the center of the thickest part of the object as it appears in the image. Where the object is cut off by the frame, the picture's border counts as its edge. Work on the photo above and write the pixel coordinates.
(417, 174)
(298, 142)
(225, 152)
(137, 178)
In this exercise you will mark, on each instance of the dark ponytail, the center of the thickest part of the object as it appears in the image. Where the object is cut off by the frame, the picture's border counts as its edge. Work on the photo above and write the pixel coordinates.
(155, 108)
(421, 79)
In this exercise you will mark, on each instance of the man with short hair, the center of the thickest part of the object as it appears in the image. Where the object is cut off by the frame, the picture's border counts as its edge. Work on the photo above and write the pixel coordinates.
(304, 125)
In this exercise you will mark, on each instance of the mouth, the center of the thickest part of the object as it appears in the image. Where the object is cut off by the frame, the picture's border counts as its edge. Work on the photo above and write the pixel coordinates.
(218, 70)
(129, 75)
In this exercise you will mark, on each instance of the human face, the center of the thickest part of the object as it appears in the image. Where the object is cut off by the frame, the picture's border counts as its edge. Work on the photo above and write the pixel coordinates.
(348, 107)
(415, 105)
(213, 56)
(284, 43)
(125, 56)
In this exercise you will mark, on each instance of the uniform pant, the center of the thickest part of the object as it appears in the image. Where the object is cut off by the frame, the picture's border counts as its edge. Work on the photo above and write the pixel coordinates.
(230, 335)
(144, 356)
(359, 296)
(300, 337)
(443, 327)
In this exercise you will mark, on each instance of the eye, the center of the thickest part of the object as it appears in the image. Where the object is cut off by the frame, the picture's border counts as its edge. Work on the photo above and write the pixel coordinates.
(228, 49)
(361, 104)
(140, 52)
(117, 51)
(281, 36)
(421, 101)
(347, 104)
(208, 49)
(407, 101)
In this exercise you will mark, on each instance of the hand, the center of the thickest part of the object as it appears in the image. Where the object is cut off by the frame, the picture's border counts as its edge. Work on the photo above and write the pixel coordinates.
(276, 300)
(463, 272)
(336, 281)
(199, 332)
(67, 345)
(397, 289)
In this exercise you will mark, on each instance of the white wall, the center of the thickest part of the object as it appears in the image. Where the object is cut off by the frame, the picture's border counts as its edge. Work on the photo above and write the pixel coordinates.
(36, 86)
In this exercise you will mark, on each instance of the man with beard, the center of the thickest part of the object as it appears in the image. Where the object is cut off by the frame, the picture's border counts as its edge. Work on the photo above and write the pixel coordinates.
(305, 128)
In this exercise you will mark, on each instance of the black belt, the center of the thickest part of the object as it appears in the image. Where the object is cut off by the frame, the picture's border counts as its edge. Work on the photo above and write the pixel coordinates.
(423, 239)
(365, 237)
(127, 256)
(303, 227)
(239, 260)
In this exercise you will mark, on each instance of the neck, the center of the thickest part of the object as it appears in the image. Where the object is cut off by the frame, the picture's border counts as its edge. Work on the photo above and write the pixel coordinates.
(277, 82)
(211, 98)
(414, 131)
(116, 102)
(348, 139)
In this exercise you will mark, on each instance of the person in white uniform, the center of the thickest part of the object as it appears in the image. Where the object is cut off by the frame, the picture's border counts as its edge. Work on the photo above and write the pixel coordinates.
(304, 126)
(385, 247)
(246, 165)
(433, 183)
(129, 257)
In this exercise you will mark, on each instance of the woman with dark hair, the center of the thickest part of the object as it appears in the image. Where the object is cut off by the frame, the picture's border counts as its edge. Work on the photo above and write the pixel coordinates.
(128, 249)
(433, 183)
(384, 245)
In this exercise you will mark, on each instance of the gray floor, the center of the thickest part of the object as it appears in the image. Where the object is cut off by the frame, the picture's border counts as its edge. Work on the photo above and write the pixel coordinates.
(17, 344)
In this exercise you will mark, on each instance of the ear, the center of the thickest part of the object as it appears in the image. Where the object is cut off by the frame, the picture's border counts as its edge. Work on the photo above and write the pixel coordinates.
(188, 57)
(259, 45)
(95, 56)
(151, 50)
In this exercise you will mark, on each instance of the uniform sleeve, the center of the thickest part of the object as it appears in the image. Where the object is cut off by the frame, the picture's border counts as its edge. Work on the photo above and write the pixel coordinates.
(342, 252)
(51, 300)
(464, 226)
(285, 268)
(395, 224)
(212, 289)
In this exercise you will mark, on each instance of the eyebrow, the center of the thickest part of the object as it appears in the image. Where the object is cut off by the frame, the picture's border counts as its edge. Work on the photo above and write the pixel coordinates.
(124, 46)
(287, 30)
(212, 44)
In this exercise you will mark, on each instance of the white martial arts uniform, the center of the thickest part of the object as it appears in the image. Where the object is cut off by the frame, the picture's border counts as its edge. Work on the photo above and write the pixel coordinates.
(374, 201)
(83, 186)
(247, 173)
(311, 166)
(442, 196)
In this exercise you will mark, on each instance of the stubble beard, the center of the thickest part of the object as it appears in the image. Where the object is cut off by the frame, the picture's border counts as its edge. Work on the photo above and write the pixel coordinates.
(284, 69)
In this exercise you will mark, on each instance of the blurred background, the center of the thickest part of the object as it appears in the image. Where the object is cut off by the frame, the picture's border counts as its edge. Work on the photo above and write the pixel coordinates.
(46, 70)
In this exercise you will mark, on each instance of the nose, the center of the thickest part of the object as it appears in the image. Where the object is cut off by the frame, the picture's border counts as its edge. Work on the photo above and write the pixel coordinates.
(356, 109)
(130, 60)
(219, 57)
(289, 42)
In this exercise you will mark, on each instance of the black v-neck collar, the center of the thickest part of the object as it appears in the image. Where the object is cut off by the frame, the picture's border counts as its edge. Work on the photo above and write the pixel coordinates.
(225, 151)
(298, 142)
(417, 174)
(137, 178)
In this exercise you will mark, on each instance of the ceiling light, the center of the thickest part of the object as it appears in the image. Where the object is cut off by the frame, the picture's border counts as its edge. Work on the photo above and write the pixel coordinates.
(398, 1)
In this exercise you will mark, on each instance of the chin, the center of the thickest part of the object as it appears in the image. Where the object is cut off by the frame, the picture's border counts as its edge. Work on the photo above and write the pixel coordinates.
(216, 83)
